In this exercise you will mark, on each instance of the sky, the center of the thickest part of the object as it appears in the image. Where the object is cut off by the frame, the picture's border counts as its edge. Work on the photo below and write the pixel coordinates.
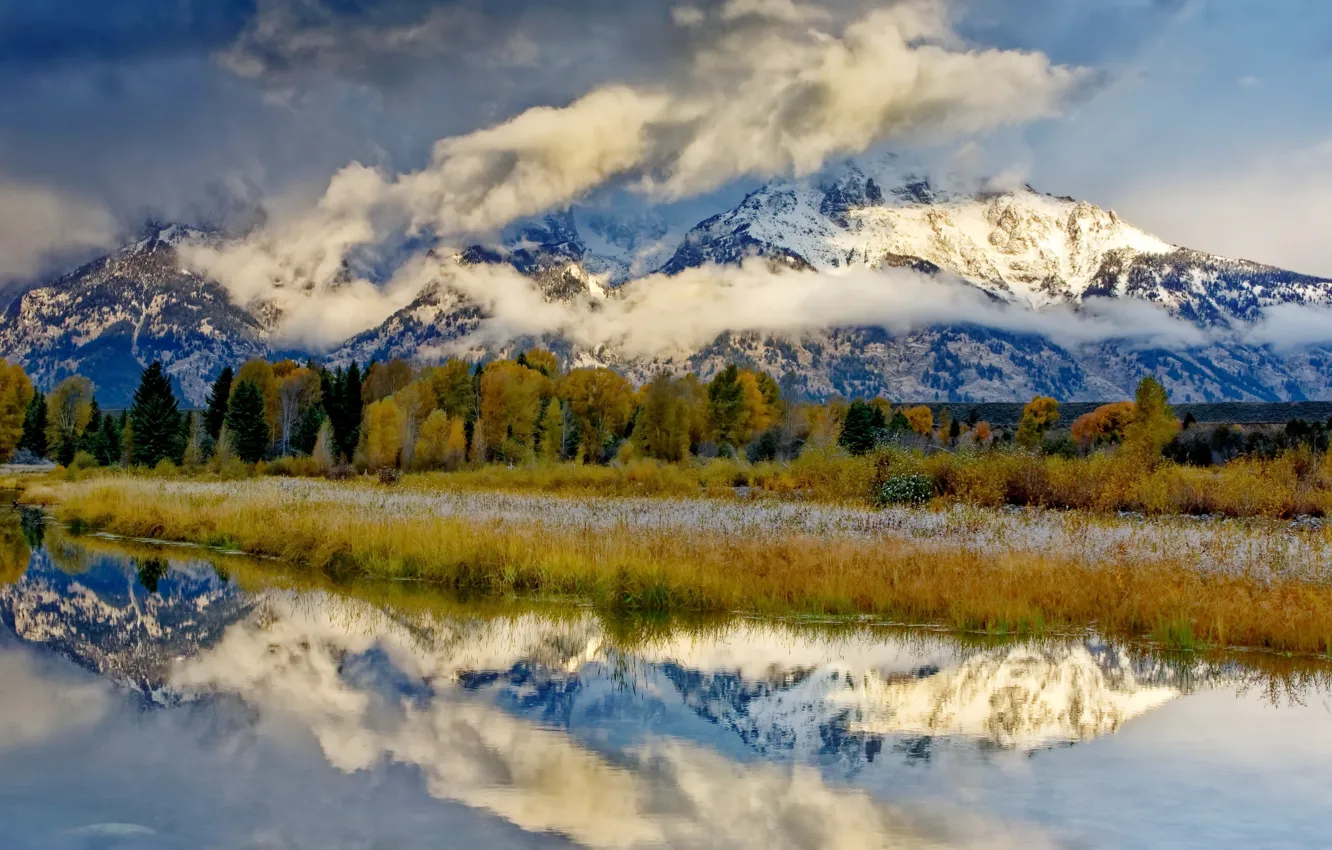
(1205, 122)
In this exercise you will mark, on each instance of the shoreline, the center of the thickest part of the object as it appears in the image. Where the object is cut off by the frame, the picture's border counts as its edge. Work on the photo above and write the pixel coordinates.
(971, 569)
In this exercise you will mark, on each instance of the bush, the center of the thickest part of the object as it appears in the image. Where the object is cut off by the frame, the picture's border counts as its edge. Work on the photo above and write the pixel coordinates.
(904, 490)
(83, 460)
(389, 475)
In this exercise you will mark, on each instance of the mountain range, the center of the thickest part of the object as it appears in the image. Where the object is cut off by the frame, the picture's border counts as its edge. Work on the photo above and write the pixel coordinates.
(1022, 249)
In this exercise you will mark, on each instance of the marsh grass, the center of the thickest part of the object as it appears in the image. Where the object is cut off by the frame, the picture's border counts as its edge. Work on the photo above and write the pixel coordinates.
(711, 569)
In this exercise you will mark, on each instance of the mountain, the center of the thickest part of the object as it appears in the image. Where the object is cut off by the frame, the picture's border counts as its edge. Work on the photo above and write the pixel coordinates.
(114, 316)
(1021, 248)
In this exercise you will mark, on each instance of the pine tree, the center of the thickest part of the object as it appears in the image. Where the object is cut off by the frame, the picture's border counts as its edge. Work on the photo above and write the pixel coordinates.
(216, 414)
(350, 433)
(726, 405)
(247, 423)
(110, 443)
(34, 426)
(861, 428)
(155, 419)
(307, 432)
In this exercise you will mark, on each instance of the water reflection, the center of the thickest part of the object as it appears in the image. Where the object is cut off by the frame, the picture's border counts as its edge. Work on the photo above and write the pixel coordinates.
(521, 727)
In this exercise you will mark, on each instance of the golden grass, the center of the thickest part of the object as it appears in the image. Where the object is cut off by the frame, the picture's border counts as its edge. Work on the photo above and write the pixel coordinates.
(782, 572)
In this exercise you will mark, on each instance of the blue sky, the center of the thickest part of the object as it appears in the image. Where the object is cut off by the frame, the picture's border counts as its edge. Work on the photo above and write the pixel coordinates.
(1206, 121)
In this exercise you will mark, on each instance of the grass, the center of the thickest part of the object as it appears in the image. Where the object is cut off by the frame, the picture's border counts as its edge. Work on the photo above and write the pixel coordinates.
(789, 566)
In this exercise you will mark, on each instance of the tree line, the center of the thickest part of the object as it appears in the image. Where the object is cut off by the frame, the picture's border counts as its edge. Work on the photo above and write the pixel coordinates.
(392, 415)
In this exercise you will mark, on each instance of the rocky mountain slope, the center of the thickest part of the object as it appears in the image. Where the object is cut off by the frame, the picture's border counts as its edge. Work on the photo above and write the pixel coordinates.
(1028, 250)
(114, 316)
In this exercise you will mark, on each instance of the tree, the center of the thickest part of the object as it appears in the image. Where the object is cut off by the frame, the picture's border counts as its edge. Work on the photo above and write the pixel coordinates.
(307, 432)
(726, 406)
(550, 432)
(542, 361)
(1039, 416)
(384, 379)
(323, 452)
(510, 408)
(861, 428)
(433, 445)
(455, 393)
(111, 443)
(601, 401)
(156, 420)
(981, 433)
(247, 422)
(1154, 424)
(196, 444)
(298, 390)
(68, 410)
(260, 374)
(216, 413)
(416, 402)
(1103, 426)
(34, 426)
(920, 419)
(16, 394)
(664, 429)
(381, 435)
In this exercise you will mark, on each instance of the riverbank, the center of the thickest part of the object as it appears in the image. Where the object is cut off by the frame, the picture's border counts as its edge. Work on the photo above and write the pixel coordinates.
(1181, 582)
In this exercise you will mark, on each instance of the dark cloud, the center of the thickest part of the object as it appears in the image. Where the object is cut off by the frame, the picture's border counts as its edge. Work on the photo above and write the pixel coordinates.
(55, 32)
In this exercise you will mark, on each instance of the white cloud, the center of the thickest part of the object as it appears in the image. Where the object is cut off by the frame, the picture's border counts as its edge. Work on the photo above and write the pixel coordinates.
(763, 99)
(38, 225)
(662, 316)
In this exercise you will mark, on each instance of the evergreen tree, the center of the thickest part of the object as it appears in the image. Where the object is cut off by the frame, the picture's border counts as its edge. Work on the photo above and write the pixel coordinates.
(94, 436)
(350, 432)
(307, 432)
(861, 428)
(217, 402)
(155, 419)
(726, 405)
(109, 445)
(247, 423)
(34, 426)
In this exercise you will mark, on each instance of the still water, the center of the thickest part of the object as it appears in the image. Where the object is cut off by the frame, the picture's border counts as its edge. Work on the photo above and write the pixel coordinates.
(153, 698)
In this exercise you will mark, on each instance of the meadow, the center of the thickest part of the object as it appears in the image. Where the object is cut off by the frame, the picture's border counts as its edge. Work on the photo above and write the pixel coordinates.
(620, 540)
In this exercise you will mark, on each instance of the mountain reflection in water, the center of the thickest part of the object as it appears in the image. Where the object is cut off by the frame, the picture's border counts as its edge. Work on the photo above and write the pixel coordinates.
(515, 727)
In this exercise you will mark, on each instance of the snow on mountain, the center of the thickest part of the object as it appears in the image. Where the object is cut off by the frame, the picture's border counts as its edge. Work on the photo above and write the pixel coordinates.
(1031, 250)
(114, 316)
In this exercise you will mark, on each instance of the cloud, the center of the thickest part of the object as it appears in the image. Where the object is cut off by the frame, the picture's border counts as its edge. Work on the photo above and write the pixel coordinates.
(298, 664)
(661, 316)
(1288, 327)
(39, 225)
(764, 98)
(1271, 209)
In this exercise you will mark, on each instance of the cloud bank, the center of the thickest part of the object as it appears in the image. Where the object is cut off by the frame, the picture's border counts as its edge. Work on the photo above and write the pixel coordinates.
(768, 96)
(39, 225)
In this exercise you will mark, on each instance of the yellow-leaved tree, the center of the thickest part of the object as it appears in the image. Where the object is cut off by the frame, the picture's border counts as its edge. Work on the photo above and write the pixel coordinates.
(920, 419)
(601, 402)
(511, 397)
(15, 394)
(435, 447)
(381, 435)
(1039, 416)
(68, 409)
(1154, 424)
(665, 419)
(1103, 426)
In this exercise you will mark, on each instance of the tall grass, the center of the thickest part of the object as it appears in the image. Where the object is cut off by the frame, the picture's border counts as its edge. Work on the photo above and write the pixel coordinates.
(1297, 483)
(712, 569)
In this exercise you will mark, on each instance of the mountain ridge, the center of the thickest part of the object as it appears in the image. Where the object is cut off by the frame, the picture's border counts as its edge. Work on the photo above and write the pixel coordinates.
(1021, 248)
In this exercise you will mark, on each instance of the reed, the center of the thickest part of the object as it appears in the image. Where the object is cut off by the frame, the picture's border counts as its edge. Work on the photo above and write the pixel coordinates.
(791, 568)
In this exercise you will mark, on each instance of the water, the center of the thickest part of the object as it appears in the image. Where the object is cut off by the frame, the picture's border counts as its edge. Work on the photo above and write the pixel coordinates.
(152, 698)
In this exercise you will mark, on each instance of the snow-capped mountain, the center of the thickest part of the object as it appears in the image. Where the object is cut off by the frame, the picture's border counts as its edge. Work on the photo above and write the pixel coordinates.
(1029, 250)
(114, 316)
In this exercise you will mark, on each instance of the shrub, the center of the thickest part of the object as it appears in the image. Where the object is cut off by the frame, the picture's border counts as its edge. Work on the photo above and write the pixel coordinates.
(904, 490)
(83, 460)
